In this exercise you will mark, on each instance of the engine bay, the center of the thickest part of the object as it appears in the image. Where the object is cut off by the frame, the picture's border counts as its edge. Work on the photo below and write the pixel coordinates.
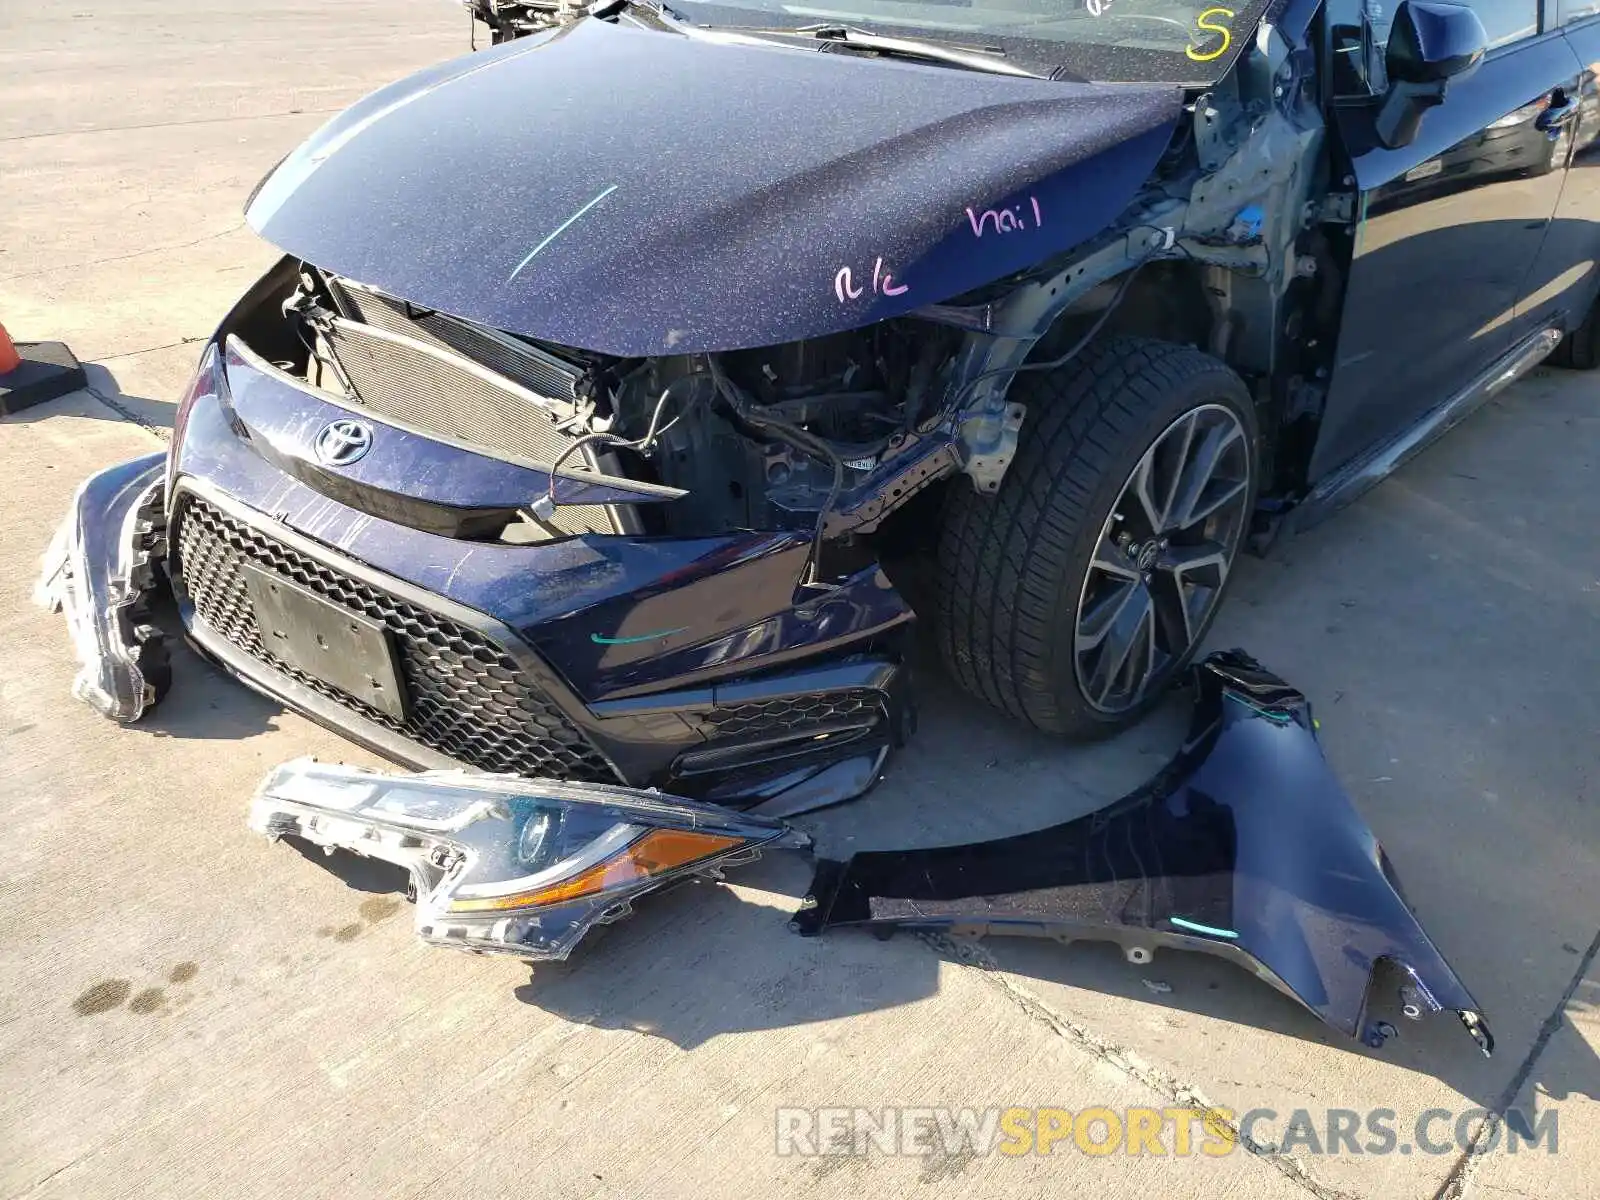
(764, 438)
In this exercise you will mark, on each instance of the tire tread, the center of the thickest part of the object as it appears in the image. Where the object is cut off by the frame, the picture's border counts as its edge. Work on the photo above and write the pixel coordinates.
(1001, 556)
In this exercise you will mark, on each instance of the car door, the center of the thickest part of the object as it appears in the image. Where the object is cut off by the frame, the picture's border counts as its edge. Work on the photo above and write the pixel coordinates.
(1565, 277)
(1448, 229)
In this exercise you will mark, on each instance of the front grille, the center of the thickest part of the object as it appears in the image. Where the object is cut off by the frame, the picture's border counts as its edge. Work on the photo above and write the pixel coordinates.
(795, 714)
(467, 698)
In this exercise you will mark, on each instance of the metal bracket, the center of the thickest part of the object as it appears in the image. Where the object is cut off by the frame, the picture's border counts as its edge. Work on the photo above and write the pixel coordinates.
(1336, 208)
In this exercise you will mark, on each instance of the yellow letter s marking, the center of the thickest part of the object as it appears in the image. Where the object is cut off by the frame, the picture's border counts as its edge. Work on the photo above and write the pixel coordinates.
(1227, 38)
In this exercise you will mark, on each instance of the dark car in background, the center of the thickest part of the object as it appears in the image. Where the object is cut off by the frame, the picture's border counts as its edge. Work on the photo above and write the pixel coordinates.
(621, 381)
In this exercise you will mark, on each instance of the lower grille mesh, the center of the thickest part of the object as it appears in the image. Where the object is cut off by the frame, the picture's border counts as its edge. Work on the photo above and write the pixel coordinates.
(467, 698)
(795, 713)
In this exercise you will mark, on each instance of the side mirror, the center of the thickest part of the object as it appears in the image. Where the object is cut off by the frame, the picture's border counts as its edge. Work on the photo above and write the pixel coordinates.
(1429, 44)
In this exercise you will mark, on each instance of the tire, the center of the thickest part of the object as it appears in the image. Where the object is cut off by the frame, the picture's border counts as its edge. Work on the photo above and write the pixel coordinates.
(1015, 567)
(1580, 349)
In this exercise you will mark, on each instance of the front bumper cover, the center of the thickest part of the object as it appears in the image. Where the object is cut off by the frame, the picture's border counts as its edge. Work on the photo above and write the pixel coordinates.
(1245, 846)
(100, 571)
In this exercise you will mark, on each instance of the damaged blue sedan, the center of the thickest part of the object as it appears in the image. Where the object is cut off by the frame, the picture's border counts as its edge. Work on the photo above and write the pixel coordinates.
(610, 372)
(618, 378)
(627, 389)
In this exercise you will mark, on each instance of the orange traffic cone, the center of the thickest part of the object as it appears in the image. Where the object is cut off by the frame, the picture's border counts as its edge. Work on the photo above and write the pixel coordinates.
(35, 372)
(10, 360)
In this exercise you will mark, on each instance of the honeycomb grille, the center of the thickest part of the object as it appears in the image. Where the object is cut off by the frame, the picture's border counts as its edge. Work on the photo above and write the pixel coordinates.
(466, 697)
(796, 713)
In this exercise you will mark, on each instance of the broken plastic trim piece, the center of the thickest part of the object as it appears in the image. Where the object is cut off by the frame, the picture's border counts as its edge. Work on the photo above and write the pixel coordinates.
(100, 570)
(1245, 846)
(499, 863)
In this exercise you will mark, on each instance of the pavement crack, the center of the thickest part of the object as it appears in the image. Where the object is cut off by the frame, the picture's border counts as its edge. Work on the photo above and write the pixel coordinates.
(183, 341)
(95, 262)
(1183, 1095)
(127, 414)
(50, 133)
(1455, 1183)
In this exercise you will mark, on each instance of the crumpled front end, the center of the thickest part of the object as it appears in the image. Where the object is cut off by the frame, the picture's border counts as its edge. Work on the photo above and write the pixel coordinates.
(100, 571)
(512, 866)
(1245, 847)
(361, 526)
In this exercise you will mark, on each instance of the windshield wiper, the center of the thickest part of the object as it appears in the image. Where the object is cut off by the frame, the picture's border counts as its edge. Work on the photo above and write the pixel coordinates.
(663, 13)
(992, 61)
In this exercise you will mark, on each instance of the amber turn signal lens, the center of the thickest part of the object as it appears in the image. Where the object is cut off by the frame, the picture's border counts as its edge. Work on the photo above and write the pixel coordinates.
(657, 851)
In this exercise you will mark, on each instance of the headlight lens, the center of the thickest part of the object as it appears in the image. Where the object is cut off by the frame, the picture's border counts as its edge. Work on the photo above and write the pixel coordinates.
(653, 854)
(525, 866)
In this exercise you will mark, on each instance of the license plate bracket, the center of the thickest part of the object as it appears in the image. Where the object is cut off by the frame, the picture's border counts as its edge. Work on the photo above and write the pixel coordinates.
(346, 650)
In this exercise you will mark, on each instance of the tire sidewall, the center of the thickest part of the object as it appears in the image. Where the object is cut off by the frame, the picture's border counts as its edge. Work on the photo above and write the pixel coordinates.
(1219, 386)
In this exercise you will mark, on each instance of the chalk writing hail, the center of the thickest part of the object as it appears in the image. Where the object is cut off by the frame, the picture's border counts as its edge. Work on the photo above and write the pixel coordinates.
(1005, 220)
(847, 289)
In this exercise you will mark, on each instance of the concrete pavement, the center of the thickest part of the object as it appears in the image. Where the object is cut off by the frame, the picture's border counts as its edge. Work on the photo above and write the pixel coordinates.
(186, 1010)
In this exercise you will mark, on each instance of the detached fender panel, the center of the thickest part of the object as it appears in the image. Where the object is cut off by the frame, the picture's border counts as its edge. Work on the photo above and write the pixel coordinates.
(1245, 846)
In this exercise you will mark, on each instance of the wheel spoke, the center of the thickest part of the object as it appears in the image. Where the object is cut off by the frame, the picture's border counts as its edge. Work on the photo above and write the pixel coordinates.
(1201, 493)
(1101, 615)
(1150, 654)
(1179, 465)
(1220, 496)
(1176, 622)
(1209, 560)
(1112, 559)
(1128, 631)
(1141, 486)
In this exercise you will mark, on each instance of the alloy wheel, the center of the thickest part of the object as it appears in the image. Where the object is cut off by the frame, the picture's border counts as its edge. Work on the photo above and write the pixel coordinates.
(1162, 558)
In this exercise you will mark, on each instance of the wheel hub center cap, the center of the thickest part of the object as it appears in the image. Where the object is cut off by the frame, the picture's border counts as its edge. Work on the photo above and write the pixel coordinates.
(1144, 555)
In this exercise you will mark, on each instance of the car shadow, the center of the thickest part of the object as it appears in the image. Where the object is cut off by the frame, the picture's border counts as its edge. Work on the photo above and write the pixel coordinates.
(204, 703)
(102, 398)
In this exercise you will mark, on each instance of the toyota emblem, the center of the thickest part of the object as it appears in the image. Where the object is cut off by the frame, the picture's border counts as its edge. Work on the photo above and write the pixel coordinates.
(343, 442)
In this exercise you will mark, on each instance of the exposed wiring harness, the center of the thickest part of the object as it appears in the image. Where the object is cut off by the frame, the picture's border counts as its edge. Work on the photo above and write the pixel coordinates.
(1168, 242)
(545, 506)
(747, 410)
(808, 443)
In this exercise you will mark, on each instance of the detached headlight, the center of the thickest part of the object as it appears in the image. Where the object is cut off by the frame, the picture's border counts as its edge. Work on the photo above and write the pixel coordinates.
(501, 863)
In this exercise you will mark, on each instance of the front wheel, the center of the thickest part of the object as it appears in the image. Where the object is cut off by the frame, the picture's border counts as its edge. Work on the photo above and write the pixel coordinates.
(1075, 594)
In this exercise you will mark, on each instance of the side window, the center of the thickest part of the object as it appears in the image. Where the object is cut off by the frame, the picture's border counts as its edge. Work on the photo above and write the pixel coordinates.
(1512, 20)
(1570, 11)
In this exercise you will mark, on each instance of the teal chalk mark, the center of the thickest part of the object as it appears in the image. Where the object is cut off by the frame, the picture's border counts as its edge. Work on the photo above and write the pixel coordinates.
(559, 230)
(1277, 718)
(634, 641)
(1196, 927)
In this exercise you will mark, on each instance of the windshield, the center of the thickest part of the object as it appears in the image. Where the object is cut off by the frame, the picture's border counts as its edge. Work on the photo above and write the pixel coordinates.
(1112, 41)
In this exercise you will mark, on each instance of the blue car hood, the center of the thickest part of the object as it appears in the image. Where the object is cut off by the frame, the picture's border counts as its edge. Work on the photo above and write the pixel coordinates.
(641, 192)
